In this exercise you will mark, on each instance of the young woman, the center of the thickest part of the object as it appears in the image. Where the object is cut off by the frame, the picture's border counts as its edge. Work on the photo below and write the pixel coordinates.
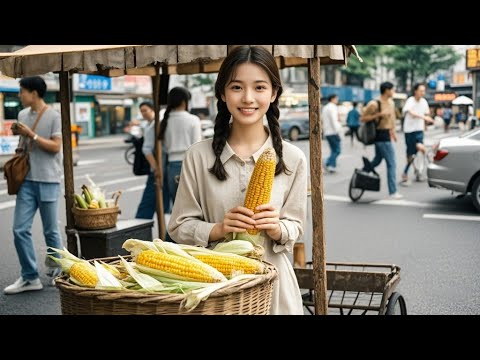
(178, 131)
(216, 172)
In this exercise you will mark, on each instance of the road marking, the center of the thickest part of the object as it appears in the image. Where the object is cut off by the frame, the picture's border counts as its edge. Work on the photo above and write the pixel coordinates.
(135, 188)
(7, 204)
(117, 181)
(90, 162)
(402, 202)
(451, 217)
(337, 198)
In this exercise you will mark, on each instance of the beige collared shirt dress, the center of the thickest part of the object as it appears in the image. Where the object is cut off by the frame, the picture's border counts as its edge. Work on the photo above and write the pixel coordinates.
(202, 201)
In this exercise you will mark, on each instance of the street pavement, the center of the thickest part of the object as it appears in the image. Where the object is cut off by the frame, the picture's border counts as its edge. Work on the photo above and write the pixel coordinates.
(439, 257)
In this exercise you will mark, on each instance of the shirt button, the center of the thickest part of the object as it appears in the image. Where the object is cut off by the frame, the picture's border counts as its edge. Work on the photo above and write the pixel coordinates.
(243, 190)
(242, 164)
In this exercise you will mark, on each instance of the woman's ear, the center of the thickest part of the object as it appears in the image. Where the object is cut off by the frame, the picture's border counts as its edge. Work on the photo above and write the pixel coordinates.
(274, 95)
(223, 98)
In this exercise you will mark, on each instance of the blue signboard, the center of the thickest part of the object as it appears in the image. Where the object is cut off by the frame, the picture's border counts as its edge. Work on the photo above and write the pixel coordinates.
(94, 83)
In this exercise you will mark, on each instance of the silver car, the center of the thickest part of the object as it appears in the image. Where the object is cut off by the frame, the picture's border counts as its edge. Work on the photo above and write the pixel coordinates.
(456, 165)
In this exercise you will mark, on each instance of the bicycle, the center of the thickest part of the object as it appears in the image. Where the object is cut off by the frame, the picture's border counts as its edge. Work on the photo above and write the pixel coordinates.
(363, 179)
(130, 154)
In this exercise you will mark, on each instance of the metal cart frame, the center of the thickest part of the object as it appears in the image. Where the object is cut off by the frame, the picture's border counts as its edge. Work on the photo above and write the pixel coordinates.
(355, 288)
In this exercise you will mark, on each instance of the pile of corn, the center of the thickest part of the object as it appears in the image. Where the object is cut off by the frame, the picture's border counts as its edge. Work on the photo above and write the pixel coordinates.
(164, 267)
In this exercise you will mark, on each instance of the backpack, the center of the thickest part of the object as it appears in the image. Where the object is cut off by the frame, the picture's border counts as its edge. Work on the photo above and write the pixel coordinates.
(368, 130)
(141, 166)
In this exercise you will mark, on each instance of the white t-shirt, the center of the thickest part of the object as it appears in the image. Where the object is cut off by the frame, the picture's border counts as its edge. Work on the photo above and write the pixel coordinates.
(331, 125)
(411, 123)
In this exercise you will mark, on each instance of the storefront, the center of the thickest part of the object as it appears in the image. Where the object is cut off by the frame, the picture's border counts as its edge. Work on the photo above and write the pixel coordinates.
(473, 65)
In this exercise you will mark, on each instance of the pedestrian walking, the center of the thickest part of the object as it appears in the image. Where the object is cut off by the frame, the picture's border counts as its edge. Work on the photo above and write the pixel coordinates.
(216, 172)
(353, 121)
(417, 115)
(331, 129)
(41, 188)
(382, 111)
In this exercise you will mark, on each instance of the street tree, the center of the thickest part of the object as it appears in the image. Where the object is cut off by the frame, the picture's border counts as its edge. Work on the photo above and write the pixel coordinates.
(412, 63)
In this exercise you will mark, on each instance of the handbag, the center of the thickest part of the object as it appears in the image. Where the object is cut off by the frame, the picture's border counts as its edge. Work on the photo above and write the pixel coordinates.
(16, 169)
(368, 130)
(141, 166)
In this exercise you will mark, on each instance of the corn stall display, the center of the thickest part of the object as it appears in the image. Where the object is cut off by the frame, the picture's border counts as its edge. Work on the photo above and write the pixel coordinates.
(164, 267)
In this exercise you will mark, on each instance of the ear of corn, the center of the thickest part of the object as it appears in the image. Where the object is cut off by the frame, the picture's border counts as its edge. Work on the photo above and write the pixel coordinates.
(106, 280)
(177, 267)
(261, 182)
(231, 265)
(83, 274)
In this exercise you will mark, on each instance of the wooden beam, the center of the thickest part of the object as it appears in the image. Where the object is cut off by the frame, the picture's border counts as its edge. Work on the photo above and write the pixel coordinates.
(158, 154)
(67, 160)
(316, 173)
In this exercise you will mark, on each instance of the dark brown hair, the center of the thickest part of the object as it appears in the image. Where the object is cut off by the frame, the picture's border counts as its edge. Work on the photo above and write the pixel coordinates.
(254, 55)
(175, 98)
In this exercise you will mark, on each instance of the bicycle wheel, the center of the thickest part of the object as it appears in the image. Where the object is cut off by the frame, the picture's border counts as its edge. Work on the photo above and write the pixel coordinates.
(130, 155)
(354, 193)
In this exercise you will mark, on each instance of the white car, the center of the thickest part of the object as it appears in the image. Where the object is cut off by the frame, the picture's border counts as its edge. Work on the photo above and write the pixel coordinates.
(456, 165)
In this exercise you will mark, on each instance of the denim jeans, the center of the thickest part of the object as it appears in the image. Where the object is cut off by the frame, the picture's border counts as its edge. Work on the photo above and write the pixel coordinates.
(35, 195)
(384, 150)
(148, 204)
(174, 169)
(334, 142)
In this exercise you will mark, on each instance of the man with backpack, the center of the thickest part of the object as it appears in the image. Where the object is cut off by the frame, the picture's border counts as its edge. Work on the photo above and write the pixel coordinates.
(382, 111)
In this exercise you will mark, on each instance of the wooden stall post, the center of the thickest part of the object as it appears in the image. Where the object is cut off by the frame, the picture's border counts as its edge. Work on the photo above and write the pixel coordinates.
(67, 159)
(316, 173)
(158, 153)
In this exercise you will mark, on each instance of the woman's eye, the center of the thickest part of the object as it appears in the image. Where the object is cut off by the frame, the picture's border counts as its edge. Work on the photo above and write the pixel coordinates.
(260, 87)
(235, 87)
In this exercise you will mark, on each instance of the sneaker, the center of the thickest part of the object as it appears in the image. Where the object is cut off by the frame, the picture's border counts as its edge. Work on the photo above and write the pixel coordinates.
(406, 183)
(23, 285)
(331, 169)
(53, 272)
(396, 196)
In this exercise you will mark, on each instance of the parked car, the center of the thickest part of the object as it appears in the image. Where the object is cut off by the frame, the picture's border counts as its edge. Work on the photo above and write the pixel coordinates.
(456, 165)
(295, 127)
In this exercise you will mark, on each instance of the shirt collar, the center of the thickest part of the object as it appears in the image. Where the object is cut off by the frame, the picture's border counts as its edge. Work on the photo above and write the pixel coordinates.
(228, 152)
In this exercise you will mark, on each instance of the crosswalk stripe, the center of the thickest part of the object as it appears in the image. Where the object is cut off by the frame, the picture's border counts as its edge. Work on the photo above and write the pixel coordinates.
(451, 217)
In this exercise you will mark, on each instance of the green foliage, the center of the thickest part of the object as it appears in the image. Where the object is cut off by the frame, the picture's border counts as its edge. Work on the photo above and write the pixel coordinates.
(417, 62)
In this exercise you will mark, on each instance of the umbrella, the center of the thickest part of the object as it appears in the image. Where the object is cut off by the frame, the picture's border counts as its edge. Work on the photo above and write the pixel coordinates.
(462, 100)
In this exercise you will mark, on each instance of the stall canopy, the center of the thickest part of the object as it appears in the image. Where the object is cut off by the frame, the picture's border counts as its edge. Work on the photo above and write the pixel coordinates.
(117, 60)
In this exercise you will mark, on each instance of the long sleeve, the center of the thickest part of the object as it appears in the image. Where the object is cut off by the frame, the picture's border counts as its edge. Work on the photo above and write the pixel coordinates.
(196, 132)
(149, 139)
(186, 224)
(294, 210)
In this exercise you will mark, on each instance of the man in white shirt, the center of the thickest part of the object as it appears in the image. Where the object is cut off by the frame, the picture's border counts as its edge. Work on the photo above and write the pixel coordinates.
(331, 128)
(417, 113)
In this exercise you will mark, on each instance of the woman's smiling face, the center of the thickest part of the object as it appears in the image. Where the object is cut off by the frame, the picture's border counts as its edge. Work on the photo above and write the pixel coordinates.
(248, 94)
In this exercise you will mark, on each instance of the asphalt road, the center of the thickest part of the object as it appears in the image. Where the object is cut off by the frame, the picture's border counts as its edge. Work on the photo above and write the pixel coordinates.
(439, 258)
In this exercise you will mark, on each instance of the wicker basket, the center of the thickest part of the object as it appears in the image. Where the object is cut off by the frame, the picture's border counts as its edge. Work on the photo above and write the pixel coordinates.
(95, 219)
(250, 298)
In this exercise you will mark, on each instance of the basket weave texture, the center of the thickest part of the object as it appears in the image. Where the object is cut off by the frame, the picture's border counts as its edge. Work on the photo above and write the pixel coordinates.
(252, 297)
(95, 219)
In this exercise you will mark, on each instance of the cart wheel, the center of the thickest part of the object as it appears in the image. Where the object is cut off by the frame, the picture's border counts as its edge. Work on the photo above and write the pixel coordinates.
(396, 305)
(354, 193)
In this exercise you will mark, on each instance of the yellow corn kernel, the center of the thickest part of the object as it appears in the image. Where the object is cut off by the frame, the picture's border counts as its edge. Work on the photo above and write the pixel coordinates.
(186, 268)
(231, 264)
(84, 274)
(261, 182)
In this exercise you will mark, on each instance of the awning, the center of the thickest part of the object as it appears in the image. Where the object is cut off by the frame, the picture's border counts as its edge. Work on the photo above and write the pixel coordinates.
(117, 60)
